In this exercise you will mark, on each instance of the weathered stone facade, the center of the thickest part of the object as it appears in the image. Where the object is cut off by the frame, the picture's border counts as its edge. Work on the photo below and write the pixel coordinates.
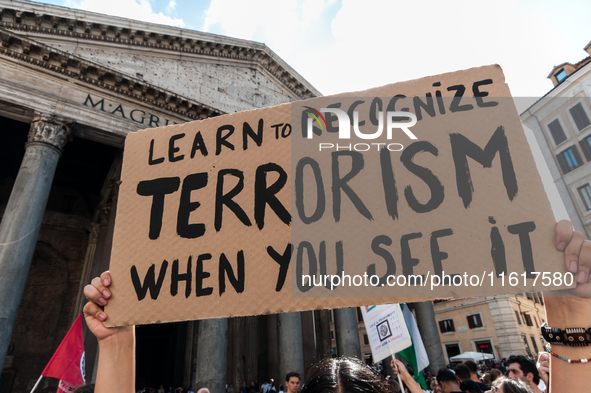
(76, 83)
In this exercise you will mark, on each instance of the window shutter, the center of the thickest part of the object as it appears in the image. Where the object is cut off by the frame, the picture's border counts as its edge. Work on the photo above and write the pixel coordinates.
(478, 320)
(518, 319)
(557, 132)
(562, 163)
(577, 155)
(579, 116)
(471, 321)
(451, 324)
(586, 149)
(442, 326)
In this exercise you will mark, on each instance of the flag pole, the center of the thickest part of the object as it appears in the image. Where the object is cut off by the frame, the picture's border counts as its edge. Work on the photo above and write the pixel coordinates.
(398, 373)
(37, 383)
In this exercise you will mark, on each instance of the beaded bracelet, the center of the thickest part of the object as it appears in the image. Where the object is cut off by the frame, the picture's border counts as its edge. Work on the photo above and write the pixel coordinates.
(574, 337)
(567, 360)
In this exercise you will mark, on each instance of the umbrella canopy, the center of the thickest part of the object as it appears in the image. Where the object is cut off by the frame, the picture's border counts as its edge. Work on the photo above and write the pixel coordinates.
(476, 356)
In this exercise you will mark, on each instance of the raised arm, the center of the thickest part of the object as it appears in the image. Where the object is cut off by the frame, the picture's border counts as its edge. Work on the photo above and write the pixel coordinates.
(400, 368)
(571, 309)
(116, 366)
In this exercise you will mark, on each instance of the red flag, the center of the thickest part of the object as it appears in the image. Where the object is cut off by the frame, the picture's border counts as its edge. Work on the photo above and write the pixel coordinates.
(67, 363)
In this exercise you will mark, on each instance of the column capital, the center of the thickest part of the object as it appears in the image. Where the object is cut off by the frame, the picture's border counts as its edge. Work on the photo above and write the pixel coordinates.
(49, 129)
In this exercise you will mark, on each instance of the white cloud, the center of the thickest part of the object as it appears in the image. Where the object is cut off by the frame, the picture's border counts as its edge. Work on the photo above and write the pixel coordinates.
(171, 6)
(281, 25)
(369, 44)
(132, 9)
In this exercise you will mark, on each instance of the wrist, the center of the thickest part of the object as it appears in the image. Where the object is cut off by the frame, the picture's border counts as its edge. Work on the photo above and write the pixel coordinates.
(123, 337)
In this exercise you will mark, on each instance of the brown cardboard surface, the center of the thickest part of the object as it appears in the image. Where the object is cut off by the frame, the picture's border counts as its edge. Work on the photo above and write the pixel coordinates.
(225, 195)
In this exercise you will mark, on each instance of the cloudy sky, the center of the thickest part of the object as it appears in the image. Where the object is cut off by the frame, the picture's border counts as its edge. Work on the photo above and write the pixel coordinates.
(348, 45)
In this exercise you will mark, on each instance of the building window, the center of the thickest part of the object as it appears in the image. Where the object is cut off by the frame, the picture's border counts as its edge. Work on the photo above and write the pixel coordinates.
(585, 194)
(527, 319)
(557, 132)
(579, 116)
(365, 339)
(452, 350)
(561, 75)
(586, 147)
(330, 318)
(332, 334)
(446, 325)
(359, 315)
(484, 347)
(536, 321)
(527, 348)
(533, 341)
(569, 159)
(475, 321)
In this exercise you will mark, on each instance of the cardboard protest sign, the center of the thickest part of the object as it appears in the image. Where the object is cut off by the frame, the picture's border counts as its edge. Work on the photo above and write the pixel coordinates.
(264, 211)
(386, 330)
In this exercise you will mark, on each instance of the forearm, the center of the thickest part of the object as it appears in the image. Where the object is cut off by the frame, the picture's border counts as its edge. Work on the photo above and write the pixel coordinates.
(412, 385)
(569, 312)
(116, 366)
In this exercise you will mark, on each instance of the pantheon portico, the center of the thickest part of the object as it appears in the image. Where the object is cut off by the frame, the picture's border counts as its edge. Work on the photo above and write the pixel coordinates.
(73, 84)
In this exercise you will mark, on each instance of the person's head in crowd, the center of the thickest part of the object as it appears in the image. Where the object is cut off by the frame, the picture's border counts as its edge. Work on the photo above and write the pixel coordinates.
(473, 367)
(520, 367)
(494, 374)
(509, 385)
(292, 382)
(394, 385)
(344, 375)
(84, 389)
(486, 379)
(462, 372)
(447, 381)
(469, 386)
(435, 388)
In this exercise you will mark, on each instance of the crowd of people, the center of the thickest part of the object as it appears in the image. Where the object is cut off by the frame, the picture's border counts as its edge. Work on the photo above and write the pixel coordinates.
(524, 375)
(116, 367)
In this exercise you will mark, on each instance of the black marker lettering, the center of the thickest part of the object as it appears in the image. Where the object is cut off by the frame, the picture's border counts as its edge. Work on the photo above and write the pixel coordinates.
(227, 271)
(150, 282)
(157, 189)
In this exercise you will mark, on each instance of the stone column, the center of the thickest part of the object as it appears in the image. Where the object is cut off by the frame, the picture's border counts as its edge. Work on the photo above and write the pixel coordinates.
(239, 351)
(308, 339)
(347, 334)
(430, 333)
(189, 353)
(291, 350)
(23, 216)
(252, 349)
(322, 326)
(211, 355)
(273, 351)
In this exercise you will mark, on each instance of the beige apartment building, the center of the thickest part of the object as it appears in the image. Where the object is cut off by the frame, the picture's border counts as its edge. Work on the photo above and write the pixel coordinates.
(501, 325)
(561, 122)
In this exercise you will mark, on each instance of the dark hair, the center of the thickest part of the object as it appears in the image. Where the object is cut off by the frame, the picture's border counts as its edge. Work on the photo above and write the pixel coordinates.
(469, 386)
(494, 374)
(472, 366)
(445, 375)
(84, 389)
(344, 375)
(525, 365)
(462, 371)
(512, 385)
(292, 374)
